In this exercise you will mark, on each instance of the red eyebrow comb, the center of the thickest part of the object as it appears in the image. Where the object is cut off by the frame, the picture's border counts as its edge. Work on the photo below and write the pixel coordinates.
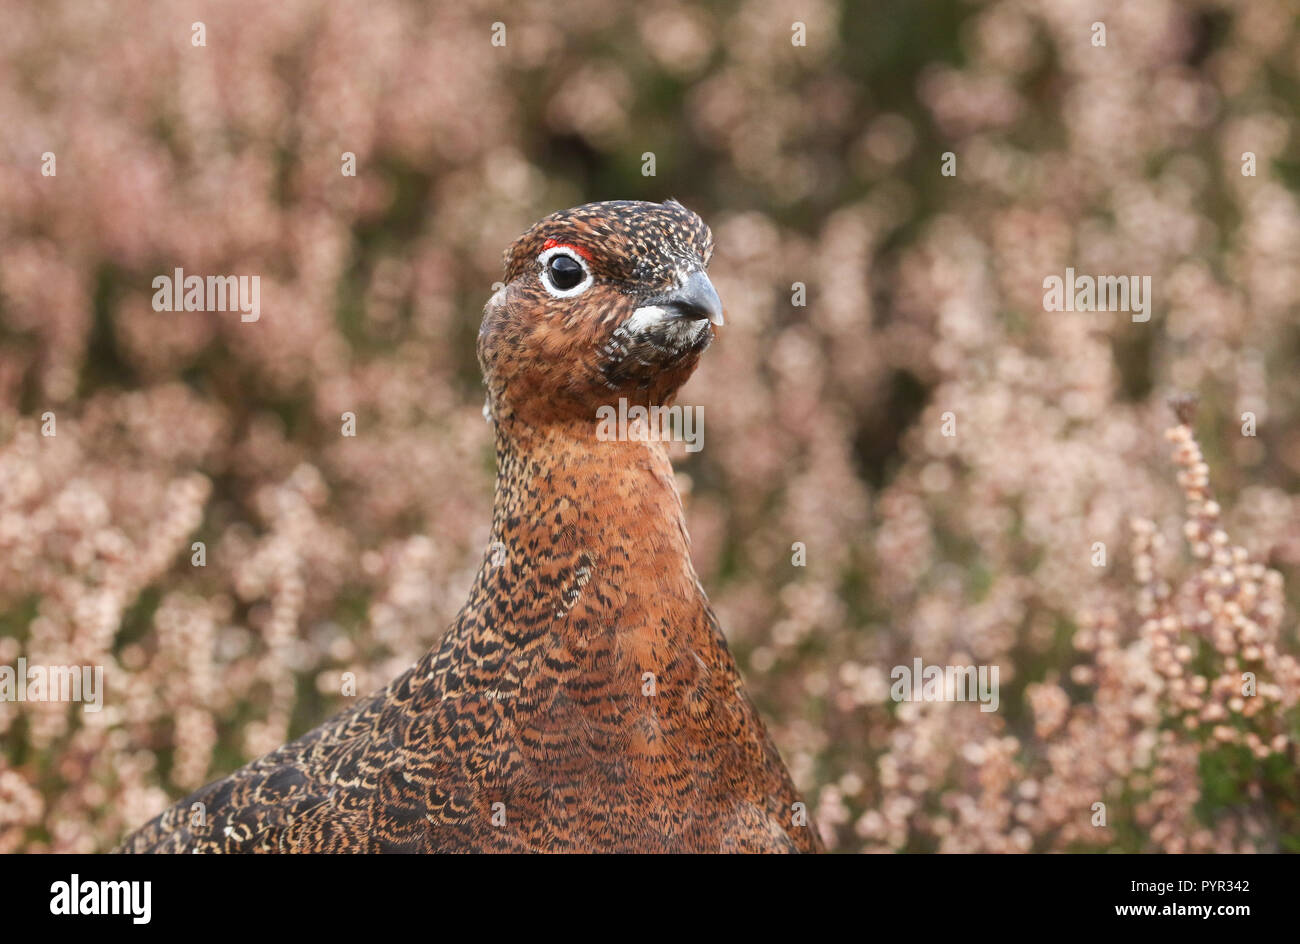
(552, 243)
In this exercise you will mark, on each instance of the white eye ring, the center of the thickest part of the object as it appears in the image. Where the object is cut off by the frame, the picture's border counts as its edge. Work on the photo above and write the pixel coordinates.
(544, 261)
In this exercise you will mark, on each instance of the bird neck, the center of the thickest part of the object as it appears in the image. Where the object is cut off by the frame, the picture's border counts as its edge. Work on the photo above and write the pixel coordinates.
(589, 532)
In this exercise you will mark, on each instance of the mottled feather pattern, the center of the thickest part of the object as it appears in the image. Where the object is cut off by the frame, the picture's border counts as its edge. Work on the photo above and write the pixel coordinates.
(528, 728)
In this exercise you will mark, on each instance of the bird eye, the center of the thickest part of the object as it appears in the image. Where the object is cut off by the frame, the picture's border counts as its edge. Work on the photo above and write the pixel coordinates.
(562, 273)
(565, 272)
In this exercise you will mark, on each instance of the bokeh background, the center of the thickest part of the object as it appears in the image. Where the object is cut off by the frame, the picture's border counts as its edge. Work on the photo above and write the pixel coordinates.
(818, 164)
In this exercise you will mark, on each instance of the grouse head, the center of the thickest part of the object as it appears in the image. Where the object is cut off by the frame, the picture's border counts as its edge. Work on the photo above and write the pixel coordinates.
(603, 301)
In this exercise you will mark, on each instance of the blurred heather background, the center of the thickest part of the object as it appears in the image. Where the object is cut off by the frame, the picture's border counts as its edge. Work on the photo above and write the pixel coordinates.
(817, 164)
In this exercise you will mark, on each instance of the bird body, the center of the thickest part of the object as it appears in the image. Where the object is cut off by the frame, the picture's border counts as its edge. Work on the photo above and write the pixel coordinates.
(584, 699)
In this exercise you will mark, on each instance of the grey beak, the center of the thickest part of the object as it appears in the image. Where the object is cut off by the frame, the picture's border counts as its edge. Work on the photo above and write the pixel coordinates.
(694, 298)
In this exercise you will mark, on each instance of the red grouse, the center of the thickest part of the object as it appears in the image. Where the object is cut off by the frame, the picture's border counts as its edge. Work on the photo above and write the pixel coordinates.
(584, 700)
